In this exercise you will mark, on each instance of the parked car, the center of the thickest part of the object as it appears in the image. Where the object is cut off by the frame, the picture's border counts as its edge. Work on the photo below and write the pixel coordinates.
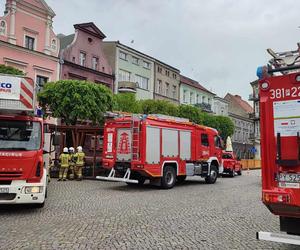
(232, 164)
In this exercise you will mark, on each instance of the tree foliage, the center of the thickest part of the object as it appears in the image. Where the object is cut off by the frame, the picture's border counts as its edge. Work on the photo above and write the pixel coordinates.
(158, 107)
(190, 112)
(222, 123)
(73, 100)
(10, 70)
(126, 102)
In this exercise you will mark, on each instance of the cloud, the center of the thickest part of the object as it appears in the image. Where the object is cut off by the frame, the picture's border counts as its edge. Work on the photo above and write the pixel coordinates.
(219, 43)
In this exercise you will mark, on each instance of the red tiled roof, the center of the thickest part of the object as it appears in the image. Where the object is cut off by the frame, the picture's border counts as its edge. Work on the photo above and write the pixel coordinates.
(243, 104)
(193, 83)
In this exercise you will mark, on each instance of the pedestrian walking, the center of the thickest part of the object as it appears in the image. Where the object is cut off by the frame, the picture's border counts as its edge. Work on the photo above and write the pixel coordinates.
(79, 156)
(72, 163)
(64, 159)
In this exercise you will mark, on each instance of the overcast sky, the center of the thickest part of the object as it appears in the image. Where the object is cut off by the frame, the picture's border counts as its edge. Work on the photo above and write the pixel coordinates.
(219, 43)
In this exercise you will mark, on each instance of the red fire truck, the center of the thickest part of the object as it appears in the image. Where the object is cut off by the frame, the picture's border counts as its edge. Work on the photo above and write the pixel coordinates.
(232, 165)
(24, 144)
(280, 143)
(160, 148)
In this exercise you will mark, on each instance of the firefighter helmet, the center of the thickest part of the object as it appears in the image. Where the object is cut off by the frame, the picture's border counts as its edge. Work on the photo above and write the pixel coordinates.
(79, 149)
(66, 150)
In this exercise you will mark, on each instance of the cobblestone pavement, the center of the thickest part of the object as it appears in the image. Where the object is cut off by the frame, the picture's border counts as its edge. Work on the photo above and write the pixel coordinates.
(101, 215)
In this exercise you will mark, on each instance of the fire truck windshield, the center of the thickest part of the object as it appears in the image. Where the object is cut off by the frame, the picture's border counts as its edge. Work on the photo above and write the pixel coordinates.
(20, 135)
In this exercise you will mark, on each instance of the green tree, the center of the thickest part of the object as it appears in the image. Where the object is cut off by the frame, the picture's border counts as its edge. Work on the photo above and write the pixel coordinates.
(10, 70)
(222, 123)
(158, 107)
(73, 100)
(192, 113)
(126, 102)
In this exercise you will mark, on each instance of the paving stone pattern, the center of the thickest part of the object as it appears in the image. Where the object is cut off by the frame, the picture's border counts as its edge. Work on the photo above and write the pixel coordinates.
(102, 215)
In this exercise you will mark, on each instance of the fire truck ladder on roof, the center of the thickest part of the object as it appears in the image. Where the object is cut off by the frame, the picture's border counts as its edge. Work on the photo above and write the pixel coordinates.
(283, 62)
(135, 143)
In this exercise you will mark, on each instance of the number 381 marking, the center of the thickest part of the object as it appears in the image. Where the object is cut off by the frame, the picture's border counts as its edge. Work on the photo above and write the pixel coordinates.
(282, 93)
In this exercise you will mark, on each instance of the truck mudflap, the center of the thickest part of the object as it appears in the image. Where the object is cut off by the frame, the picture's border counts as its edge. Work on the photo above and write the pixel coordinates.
(279, 237)
(111, 177)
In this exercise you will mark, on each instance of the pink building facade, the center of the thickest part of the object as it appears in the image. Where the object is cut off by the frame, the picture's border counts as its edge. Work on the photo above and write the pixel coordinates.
(27, 40)
(82, 56)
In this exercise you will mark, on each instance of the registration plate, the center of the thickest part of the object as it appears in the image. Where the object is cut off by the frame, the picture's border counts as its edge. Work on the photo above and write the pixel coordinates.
(4, 190)
(288, 185)
(285, 177)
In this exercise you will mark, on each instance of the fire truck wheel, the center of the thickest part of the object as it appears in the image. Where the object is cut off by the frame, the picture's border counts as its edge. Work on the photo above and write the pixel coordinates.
(239, 172)
(212, 178)
(232, 173)
(168, 179)
(181, 178)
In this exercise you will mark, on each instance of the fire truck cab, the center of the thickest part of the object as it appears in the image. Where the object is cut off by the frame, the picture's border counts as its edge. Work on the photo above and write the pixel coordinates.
(280, 143)
(25, 144)
(160, 148)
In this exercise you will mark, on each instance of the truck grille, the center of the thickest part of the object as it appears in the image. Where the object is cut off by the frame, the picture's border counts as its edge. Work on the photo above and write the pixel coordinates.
(5, 183)
(7, 197)
(10, 174)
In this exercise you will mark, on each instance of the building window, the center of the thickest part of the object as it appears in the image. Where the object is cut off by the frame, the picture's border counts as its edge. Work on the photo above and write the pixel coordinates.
(146, 65)
(174, 76)
(142, 82)
(159, 87)
(53, 44)
(167, 93)
(29, 42)
(82, 58)
(184, 96)
(159, 69)
(95, 63)
(167, 73)
(135, 60)
(191, 98)
(123, 56)
(40, 81)
(174, 92)
(203, 99)
(2, 28)
(124, 76)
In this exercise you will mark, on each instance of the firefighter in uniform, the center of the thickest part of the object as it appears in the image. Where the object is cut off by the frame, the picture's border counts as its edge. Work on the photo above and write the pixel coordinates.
(79, 156)
(64, 159)
(72, 163)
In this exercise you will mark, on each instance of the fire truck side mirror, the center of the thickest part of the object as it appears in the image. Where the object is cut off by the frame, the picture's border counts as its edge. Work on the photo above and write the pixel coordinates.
(56, 139)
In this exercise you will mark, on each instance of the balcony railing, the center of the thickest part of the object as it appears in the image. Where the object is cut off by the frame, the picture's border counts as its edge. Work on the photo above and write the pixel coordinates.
(127, 87)
(253, 97)
(206, 107)
(254, 116)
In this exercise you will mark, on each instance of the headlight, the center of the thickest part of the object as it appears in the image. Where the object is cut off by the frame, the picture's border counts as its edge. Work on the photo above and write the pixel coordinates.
(33, 190)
